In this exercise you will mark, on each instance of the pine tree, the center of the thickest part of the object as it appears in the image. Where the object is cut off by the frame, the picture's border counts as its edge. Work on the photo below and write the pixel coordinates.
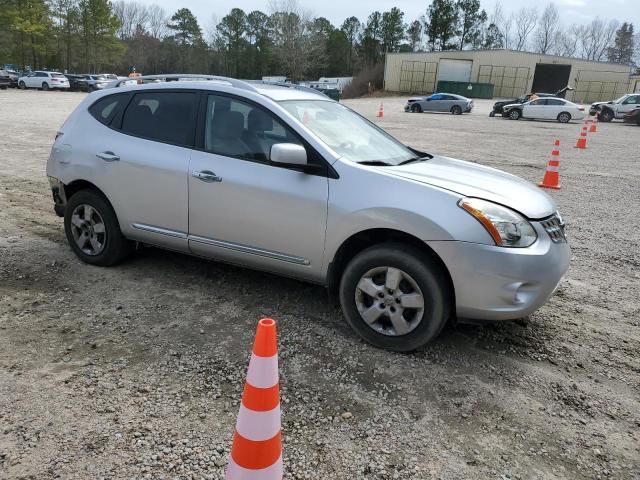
(623, 49)
(442, 19)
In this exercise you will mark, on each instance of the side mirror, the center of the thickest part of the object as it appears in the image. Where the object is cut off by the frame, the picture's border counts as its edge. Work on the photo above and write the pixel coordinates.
(289, 154)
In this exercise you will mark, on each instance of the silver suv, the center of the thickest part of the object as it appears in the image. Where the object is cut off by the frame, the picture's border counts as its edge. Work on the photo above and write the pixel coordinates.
(288, 181)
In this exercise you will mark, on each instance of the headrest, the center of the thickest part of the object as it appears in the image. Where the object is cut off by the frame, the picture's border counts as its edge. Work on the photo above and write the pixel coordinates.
(228, 125)
(259, 121)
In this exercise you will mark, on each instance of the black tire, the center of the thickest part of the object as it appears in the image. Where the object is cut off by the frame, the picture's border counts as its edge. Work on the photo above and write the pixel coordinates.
(492, 114)
(564, 117)
(415, 108)
(45, 86)
(3, 88)
(606, 115)
(456, 110)
(515, 114)
(22, 86)
(116, 246)
(427, 274)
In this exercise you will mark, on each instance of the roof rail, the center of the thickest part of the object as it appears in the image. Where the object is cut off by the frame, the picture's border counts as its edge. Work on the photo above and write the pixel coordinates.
(174, 77)
(295, 86)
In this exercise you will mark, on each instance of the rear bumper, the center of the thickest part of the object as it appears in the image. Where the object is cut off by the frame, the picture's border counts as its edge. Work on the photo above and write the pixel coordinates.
(496, 283)
(59, 196)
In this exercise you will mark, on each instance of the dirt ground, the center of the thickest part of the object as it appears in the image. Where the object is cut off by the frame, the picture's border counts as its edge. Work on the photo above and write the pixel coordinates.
(136, 371)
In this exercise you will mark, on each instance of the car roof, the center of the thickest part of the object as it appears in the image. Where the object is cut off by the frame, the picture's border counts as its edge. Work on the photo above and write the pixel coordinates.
(272, 91)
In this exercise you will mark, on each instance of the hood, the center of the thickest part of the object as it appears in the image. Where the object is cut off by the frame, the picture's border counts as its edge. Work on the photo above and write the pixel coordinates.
(473, 180)
(515, 104)
(594, 104)
(416, 99)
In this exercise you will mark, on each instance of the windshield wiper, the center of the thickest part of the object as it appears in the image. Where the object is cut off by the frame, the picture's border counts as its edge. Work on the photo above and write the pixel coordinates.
(411, 160)
(376, 163)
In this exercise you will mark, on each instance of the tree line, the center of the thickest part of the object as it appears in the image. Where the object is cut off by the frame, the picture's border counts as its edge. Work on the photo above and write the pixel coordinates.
(101, 35)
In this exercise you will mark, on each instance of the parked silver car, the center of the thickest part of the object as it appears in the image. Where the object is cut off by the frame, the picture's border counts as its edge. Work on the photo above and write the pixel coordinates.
(291, 182)
(440, 102)
(96, 82)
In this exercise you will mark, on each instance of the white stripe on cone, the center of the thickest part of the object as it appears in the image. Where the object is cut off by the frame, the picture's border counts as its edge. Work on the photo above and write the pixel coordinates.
(553, 169)
(236, 472)
(263, 371)
(258, 426)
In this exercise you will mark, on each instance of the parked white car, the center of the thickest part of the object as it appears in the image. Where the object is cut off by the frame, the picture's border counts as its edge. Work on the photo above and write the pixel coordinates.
(44, 80)
(549, 108)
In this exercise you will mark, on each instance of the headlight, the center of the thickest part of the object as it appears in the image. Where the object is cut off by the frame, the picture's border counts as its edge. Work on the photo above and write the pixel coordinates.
(506, 227)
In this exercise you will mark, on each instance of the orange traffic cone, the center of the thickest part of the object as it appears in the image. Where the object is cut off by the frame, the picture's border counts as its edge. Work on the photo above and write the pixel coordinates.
(381, 111)
(552, 174)
(594, 124)
(582, 139)
(256, 453)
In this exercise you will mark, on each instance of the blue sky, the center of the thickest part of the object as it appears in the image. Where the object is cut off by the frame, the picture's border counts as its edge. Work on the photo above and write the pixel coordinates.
(571, 11)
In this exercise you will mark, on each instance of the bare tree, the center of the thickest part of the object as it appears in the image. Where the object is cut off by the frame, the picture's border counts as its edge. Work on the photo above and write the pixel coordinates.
(546, 33)
(157, 21)
(290, 29)
(567, 41)
(596, 38)
(525, 22)
(131, 15)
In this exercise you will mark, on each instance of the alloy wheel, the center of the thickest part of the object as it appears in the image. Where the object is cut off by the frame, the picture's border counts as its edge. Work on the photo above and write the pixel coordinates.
(389, 301)
(88, 230)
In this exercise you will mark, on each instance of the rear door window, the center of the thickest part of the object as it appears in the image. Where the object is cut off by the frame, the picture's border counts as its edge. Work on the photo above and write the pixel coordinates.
(167, 117)
(106, 109)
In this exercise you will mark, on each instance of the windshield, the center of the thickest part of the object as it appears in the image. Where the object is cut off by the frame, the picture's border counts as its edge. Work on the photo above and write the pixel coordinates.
(347, 133)
(621, 99)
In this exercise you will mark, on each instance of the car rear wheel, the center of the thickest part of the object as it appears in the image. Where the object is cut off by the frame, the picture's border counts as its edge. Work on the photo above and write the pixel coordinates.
(564, 117)
(395, 297)
(606, 116)
(456, 110)
(93, 231)
(22, 86)
(45, 86)
(515, 114)
(415, 108)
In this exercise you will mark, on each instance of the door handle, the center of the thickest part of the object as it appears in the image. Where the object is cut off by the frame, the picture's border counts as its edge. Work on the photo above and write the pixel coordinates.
(206, 176)
(108, 156)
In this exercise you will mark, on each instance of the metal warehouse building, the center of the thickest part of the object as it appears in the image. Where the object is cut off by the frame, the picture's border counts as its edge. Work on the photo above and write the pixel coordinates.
(511, 73)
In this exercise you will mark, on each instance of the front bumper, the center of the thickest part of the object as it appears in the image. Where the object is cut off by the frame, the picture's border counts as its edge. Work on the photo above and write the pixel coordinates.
(497, 283)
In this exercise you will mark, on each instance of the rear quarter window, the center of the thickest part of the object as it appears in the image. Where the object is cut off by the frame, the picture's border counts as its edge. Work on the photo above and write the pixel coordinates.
(105, 109)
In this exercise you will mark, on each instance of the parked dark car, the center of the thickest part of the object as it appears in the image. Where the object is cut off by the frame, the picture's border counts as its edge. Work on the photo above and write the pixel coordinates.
(5, 80)
(13, 75)
(76, 82)
(498, 106)
(632, 117)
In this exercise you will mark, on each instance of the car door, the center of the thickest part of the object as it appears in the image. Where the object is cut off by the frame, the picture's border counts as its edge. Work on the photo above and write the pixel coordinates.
(142, 161)
(35, 79)
(430, 104)
(629, 103)
(245, 209)
(535, 109)
(447, 102)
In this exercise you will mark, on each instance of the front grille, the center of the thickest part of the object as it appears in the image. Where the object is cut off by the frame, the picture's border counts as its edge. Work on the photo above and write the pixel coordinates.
(555, 228)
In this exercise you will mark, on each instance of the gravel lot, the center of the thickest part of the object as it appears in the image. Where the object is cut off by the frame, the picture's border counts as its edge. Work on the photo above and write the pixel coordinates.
(136, 371)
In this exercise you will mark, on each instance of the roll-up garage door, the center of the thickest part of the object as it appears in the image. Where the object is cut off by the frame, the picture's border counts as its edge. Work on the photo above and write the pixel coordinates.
(455, 70)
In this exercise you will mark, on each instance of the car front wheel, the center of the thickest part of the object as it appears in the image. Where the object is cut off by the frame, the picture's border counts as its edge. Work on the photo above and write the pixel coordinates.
(395, 297)
(93, 231)
(515, 114)
(415, 108)
(606, 116)
(22, 85)
(564, 117)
